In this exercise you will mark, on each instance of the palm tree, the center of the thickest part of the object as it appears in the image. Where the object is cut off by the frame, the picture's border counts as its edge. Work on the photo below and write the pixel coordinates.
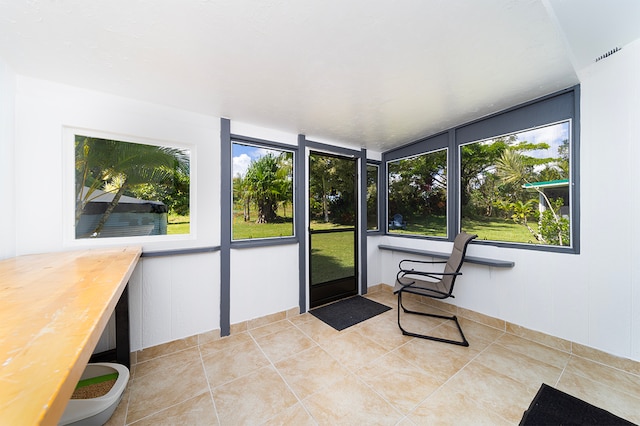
(117, 166)
(264, 181)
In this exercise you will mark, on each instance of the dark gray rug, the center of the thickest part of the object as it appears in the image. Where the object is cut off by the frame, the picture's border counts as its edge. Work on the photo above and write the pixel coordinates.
(553, 407)
(347, 312)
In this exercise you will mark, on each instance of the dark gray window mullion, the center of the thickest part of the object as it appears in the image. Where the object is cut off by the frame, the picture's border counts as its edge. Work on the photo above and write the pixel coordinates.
(575, 171)
(301, 220)
(363, 222)
(383, 192)
(225, 227)
(453, 188)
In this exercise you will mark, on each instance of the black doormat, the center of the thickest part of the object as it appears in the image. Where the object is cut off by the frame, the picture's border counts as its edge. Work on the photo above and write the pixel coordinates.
(553, 407)
(347, 312)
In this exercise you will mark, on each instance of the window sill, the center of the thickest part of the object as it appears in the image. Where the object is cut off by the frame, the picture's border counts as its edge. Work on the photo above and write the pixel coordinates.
(441, 255)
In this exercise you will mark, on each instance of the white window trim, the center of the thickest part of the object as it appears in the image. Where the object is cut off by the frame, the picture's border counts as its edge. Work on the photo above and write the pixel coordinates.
(68, 193)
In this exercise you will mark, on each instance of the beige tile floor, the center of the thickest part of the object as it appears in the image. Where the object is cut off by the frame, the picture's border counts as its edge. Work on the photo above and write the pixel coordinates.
(300, 371)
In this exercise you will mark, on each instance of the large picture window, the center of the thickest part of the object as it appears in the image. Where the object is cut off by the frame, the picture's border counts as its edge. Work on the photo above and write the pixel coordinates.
(417, 199)
(515, 188)
(262, 192)
(126, 189)
(513, 178)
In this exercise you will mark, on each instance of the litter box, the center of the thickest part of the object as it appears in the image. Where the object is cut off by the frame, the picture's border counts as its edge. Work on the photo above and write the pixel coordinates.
(97, 411)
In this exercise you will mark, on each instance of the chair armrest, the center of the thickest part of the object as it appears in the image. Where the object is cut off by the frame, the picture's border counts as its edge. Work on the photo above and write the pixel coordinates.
(419, 262)
(434, 275)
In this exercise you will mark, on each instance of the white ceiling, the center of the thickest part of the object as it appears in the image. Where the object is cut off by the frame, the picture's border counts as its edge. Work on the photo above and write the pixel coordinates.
(369, 73)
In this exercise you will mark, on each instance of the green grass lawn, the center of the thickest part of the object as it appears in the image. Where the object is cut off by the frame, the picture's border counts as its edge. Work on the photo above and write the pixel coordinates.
(493, 229)
(178, 225)
(332, 255)
(242, 230)
(429, 225)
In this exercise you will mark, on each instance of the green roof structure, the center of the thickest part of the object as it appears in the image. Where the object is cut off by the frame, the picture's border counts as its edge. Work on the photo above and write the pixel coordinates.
(548, 184)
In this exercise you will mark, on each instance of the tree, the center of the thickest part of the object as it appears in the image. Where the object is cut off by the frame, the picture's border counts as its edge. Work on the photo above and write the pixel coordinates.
(118, 166)
(268, 182)
(173, 191)
(477, 160)
(331, 185)
(418, 185)
(372, 197)
(284, 180)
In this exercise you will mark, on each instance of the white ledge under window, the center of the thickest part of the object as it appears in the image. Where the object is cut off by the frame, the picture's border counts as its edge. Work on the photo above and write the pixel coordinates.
(441, 255)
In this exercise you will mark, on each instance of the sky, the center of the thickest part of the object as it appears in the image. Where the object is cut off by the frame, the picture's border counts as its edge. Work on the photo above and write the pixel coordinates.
(243, 155)
(553, 135)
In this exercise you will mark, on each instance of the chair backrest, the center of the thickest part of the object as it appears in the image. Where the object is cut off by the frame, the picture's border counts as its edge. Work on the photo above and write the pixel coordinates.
(397, 218)
(456, 259)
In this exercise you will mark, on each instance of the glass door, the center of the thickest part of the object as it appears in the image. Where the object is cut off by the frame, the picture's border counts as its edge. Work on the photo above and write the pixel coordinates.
(333, 236)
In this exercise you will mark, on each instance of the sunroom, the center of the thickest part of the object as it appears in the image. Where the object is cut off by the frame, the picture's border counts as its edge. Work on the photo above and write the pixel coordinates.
(360, 112)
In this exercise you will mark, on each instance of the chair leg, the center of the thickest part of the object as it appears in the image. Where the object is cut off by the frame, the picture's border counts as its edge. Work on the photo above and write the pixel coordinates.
(453, 318)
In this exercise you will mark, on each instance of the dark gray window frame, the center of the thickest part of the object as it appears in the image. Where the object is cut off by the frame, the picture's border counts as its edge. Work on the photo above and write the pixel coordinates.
(422, 146)
(267, 241)
(379, 230)
(560, 106)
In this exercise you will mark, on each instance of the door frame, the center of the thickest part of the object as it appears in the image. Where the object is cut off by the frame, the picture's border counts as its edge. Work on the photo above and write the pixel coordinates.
(305, 148)
(339, 288)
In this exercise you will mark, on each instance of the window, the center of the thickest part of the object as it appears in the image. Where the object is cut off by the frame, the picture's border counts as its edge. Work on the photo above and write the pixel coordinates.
(514, 179)
(126, 189)
(372, 197)
(417, 200)
(262, 192)
(516, 188)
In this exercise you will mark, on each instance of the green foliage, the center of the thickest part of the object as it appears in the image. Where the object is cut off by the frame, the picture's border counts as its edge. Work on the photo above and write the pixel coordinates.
(553, 227)
(520, 213)
(372, 197)
(332, 195)
(267, 184)
(125, 168)
(418, 186)
(497, 181)
(476, 162)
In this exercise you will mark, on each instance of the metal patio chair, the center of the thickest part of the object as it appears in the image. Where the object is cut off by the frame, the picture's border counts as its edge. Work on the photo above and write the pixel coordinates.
(415, 278)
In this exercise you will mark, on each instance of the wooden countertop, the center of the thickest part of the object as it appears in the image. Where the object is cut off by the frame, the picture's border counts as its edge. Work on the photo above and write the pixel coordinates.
(53, 309)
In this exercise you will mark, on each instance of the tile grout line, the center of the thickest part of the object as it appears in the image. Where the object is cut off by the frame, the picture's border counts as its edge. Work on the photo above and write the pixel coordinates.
(353, 373)
(456, 374)
(206, 377)
(169, 406)
(579, 374)
(282, 377)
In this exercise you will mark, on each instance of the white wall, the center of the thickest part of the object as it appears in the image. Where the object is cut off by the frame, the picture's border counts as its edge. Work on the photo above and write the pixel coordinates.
(610, 154)
(264, 280)
(171, 297)
(7, 177)
(592, 298)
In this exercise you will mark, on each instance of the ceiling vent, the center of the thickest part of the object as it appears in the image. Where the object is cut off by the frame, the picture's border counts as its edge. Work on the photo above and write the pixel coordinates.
(606, 55)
